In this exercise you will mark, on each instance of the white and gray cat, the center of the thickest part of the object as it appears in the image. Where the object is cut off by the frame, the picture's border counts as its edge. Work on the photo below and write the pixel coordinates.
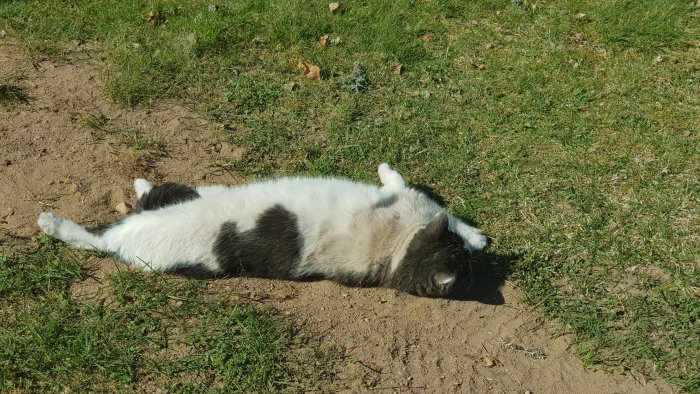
(290, 228)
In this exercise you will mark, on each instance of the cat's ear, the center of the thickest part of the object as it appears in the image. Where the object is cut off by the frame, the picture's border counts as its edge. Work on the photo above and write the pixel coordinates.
(444, 279)
(438, 225)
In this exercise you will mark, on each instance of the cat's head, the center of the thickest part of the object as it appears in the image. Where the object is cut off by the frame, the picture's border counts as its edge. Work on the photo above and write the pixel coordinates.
(435, 263)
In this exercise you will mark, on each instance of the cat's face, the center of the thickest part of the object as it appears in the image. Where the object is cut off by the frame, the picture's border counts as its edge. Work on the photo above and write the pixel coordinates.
(436, 262)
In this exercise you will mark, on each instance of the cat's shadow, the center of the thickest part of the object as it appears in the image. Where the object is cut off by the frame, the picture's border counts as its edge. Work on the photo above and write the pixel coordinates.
(489, 270)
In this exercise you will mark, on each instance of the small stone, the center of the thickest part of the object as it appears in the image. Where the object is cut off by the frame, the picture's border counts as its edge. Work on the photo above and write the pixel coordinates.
(8, 213)
(580, 17)
(528, 392)
(333, 7)
(213, 8)
(658, 59)
(291, 86)
(123, 208)
(397, 69)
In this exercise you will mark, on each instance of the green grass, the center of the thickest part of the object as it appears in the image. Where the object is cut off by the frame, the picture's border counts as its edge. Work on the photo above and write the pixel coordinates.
(147, 332)
(587, 147)
(10, 93)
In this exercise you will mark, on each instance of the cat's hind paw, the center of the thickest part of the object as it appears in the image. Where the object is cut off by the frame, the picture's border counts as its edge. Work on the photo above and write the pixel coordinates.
(142, 186)
(49, 223)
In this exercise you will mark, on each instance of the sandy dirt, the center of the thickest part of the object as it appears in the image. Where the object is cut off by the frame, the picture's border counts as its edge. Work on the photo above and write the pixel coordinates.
(52, 160)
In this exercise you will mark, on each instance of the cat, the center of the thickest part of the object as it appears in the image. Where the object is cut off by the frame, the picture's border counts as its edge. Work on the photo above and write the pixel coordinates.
(290, 228)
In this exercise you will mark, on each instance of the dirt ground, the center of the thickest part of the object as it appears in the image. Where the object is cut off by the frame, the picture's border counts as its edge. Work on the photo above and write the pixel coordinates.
(52, 160)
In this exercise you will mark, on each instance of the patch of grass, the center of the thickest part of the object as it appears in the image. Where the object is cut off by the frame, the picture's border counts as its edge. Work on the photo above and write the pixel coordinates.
(584, 141)
(129, 137)
(148, 331)
(12, 93)
(643, 24)
(46, 269)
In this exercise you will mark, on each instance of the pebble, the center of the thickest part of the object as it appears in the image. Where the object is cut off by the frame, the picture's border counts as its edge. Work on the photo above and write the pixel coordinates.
(123, 208)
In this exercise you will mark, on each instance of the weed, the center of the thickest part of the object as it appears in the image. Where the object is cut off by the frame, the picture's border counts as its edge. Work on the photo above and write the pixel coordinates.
(12, 93)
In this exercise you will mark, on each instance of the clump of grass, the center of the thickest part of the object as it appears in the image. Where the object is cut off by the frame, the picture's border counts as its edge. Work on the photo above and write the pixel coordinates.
(129, 137)
(10, 93)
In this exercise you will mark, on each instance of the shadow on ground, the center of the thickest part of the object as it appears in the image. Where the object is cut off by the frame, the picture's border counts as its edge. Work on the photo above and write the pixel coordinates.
(489, 272)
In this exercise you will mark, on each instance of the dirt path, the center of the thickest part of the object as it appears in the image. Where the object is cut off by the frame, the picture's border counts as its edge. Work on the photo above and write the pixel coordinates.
(51, 160)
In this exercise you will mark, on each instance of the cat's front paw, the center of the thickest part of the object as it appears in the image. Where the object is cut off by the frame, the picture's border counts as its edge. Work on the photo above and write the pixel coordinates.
(49, 223)
(477, 242)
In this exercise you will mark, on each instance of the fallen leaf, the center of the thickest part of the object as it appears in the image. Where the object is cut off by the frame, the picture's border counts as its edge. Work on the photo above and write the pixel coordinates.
(333, 7)
(311, 71)
(428, 37)
(488, 361)
(473, 23)
(323, 41)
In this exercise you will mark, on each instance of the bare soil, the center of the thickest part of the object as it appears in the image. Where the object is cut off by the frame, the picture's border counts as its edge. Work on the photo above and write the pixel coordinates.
(52, 160)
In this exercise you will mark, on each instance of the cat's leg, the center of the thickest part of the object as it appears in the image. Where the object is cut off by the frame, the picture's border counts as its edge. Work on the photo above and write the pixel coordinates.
(142, 186)
(69, 232)
(474, 240)
(389, 177)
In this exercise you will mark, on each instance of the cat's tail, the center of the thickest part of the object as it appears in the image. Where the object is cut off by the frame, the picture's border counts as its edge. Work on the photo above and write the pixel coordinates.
(69, 232)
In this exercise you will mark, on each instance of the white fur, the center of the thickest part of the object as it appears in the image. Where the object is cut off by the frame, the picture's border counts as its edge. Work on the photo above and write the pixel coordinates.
(342, 229)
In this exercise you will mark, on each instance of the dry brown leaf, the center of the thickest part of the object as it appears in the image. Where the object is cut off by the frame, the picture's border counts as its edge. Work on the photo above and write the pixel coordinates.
(311, 71)
(428, 37)
(488, 361)
(323, 41)
(333, 7)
